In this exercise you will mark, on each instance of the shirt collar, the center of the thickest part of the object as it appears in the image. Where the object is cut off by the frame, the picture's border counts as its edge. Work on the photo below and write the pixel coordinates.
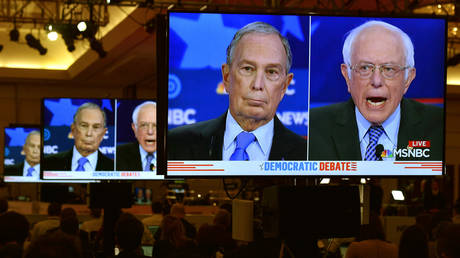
(27, 166)
(144, 153)
(391, 125)
(92, 158)
(263, 134)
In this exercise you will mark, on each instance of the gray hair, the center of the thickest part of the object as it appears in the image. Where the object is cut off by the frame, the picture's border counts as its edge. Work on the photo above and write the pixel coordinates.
(89, 105)
(350, 39)
(259, 27)
(138, 108)
(34, 132)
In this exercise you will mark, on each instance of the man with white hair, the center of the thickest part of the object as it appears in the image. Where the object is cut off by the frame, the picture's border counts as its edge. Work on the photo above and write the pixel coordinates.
(140, 156)
(30, 167)
(378, 69)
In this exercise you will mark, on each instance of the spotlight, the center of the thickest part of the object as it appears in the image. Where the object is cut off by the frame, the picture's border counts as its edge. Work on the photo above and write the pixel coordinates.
(82, 26)
(52, 35)
(14, 35)
(35, 44)
(97, 46)
(113, 1)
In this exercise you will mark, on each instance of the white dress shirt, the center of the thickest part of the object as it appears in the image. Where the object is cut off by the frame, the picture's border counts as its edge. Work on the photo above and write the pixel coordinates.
(259, 149)
(389, 139)
(89, 166)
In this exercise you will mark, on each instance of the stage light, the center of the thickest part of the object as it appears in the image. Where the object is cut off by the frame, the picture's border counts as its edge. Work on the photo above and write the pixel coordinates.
(82, 26)
(97, 46)
(113, 2)
(325, 181)
(14, 35)
(35, 44)
(90, 31)
(52, 35)
(397, 195)
(69, 33)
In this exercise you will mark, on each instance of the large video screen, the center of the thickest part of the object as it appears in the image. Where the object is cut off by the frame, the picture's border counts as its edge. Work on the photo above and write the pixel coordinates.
(253, 94)
(106, 139)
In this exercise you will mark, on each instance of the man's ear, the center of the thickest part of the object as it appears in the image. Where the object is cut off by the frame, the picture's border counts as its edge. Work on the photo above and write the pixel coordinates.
(287, 81)
(225, 76)
(133, 126)
(410, 77)
(344, 70)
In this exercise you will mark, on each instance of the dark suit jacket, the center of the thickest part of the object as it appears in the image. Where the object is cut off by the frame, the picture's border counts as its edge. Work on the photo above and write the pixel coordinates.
(14, 170)
(128, 157)
(333, 132)
(63, 162)
(204, 140)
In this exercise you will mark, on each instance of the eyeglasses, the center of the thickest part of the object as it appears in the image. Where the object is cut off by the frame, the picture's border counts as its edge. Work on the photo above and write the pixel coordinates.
(389, 71)
(146, 126)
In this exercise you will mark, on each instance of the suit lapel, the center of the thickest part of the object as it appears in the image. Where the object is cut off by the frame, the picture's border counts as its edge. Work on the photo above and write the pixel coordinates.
(345, 134)
(279, 149)
(408, 125)
(135, 159)
(212, 138)
(68, 160)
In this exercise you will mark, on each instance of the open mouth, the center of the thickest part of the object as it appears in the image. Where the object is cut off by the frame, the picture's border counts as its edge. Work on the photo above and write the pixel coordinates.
(150, 142)
(376, 101)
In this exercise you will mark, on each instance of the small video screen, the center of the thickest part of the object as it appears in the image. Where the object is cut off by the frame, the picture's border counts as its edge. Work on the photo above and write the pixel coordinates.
(104, 139)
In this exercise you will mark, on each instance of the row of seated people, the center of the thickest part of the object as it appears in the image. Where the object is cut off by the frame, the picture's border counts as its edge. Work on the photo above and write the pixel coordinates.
(176, 237)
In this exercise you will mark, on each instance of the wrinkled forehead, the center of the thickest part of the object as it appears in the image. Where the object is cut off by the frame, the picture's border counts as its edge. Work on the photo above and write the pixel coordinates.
(90, 115)
(33, 139)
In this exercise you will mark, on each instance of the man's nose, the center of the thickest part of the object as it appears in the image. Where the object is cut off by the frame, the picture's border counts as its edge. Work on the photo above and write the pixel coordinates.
(90, 131)
(377, 78)
(259, 81)
(151, 130)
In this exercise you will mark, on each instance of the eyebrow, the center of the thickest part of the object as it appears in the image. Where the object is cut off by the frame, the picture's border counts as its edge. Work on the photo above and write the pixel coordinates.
(279, 65)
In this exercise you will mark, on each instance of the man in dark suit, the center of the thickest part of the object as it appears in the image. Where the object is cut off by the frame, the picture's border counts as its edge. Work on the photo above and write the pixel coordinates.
(256, 76)
(88, 129)
(140, 156)
(30, 167)
(378, 69)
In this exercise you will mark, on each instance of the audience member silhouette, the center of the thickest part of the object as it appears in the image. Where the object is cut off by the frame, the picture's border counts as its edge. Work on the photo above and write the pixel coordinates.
(54, 210)
(447, 243)
(128, 235)
(173, 243)
(371, 242)
(413, 243)
(55, 244)
(14, 229)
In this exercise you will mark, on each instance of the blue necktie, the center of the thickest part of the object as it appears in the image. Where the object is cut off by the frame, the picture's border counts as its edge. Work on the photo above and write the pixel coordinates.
(81, 163)
(374, 134)
(149, 161)
(242, 142)
(30, 171)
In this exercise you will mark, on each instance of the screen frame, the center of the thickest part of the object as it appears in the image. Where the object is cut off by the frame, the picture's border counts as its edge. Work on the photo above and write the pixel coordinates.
(128, 175)
(163, 92)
